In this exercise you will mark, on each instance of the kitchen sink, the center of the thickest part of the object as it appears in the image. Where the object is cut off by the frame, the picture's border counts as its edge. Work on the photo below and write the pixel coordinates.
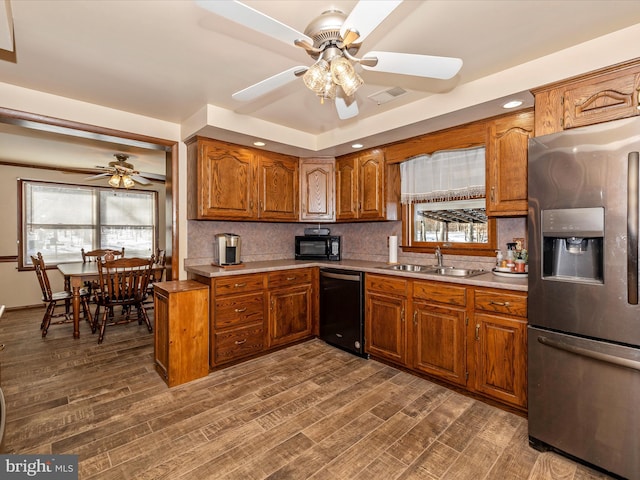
(435, 270)
(407, 267)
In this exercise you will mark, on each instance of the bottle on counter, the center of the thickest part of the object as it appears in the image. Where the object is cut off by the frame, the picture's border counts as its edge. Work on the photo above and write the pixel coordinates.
(511, 260)
(499, 258)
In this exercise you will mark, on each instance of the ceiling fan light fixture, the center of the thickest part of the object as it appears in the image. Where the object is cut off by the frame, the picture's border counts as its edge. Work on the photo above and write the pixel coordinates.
(345, 75)
(114, 181)
(127, 181)
(315, 77)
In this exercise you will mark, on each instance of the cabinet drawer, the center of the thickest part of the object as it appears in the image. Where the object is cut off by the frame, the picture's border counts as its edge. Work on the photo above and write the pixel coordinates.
(437, 292)
(235, 310)
(285, 278)
(501, 302)
(238, 284)
(237, 343)
(386, 284)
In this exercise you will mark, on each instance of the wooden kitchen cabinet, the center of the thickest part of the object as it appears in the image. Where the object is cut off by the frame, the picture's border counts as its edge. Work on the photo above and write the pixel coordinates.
(237, 318)
(500, 326)
(386, 300)
(317, 190)
(438, 338)
(231, 182)
(600, 96)
(360, 186)
(278, 187)
(507, 163)
(181, 340)
(291, 305)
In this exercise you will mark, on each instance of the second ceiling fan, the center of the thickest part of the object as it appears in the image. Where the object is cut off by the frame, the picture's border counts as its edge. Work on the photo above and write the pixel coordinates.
(333, 39)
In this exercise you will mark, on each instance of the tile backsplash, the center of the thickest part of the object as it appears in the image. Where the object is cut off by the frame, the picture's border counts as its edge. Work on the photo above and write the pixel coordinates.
(360, 241)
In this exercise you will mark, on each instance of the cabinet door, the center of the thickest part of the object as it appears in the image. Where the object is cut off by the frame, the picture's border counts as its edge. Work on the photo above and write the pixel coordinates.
(278, 187)
(501, 359)
(439, 342)
(290, 314)
(507, 164)
(371, 185)
(346, 188)
(226, 181)
(317, 190)
(595, 102)
(385, 327)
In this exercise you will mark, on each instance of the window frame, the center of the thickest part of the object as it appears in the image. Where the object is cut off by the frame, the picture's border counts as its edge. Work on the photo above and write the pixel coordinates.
(23, 261)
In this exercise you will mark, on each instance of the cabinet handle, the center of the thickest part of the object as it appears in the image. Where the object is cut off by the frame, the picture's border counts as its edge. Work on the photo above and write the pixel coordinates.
(493, 194)
(290, 278)
(240, 342)
(402, 315)
(240, 310)
(272, 302)
(238, 285)
(500, 304)
(415, 314)
(477, 331)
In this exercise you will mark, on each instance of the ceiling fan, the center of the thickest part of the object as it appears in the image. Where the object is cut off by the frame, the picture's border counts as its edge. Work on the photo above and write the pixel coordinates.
(123, 173)
(333, 39)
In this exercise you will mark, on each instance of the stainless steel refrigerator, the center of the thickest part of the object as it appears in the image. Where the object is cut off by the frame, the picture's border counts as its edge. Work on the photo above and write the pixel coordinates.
(584, 317)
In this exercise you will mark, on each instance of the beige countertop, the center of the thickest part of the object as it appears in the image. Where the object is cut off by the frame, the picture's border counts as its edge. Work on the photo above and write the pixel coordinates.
(485, 280)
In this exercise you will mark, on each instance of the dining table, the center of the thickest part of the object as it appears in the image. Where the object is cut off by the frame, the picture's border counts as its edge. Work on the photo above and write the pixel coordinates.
(75, 274)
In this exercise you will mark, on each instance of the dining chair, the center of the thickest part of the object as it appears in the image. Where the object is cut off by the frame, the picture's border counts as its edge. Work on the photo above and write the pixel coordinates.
(54, 300)
(95, 256)
(159, 260)
(122, 283)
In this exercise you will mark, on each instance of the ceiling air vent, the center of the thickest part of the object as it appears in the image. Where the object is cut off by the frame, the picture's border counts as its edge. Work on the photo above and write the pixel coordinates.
(385, 96)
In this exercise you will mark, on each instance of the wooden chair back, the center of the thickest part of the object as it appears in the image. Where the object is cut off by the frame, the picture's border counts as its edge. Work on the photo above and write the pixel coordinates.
(123, 281)
(43, 279)
(100, 254)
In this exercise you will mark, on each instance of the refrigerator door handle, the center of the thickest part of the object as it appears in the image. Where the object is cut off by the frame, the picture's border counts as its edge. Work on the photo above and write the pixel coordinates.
(603, 357)
(632, 228)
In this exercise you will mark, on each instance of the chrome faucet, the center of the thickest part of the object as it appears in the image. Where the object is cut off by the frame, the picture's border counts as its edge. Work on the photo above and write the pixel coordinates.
(439, 257)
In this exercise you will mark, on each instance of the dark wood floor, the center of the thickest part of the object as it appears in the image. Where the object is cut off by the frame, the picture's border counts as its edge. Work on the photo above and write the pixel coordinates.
(310, 411)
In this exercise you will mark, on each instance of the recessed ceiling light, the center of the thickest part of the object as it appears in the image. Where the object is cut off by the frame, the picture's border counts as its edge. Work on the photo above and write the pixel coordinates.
(357, 145)
(259, 144)
(512, 104)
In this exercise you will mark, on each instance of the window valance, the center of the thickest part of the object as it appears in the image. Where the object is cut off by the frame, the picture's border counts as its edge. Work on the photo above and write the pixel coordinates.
(443, 176)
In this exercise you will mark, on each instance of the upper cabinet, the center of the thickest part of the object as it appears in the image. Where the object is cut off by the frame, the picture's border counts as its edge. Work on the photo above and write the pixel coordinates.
(608, 94)
(360, 186)
(317, 190)
(230, 182)
(506, 157)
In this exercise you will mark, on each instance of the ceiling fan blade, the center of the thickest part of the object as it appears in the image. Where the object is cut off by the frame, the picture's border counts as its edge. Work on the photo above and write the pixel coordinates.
(365, 18)
(346, 110)
(265, 86)
(244, 15)
(153, 176)
(410, 64)
(140, 179)
(100, 175)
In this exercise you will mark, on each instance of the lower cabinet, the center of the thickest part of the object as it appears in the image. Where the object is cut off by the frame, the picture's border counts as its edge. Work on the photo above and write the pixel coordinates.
(251, 313)
(468, 336)
(500, 324)
(439, 330)
(290, 305)
(385, 317)
(181, 346)
(237, 317)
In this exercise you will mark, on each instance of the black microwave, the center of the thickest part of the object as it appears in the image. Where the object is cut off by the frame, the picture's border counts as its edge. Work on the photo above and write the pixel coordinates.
(318, 247)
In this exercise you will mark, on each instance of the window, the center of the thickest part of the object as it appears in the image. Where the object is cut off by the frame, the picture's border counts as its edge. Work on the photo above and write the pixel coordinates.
(59, 220)
(443, 197)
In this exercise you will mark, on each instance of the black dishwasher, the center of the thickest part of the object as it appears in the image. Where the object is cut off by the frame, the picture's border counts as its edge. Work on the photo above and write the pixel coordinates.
(342, 309)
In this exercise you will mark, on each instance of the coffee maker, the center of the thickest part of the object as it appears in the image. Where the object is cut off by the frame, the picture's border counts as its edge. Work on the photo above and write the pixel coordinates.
(227, 249)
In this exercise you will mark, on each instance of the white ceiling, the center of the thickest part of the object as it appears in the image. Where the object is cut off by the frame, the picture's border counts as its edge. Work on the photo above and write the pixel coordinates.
(172, 60)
